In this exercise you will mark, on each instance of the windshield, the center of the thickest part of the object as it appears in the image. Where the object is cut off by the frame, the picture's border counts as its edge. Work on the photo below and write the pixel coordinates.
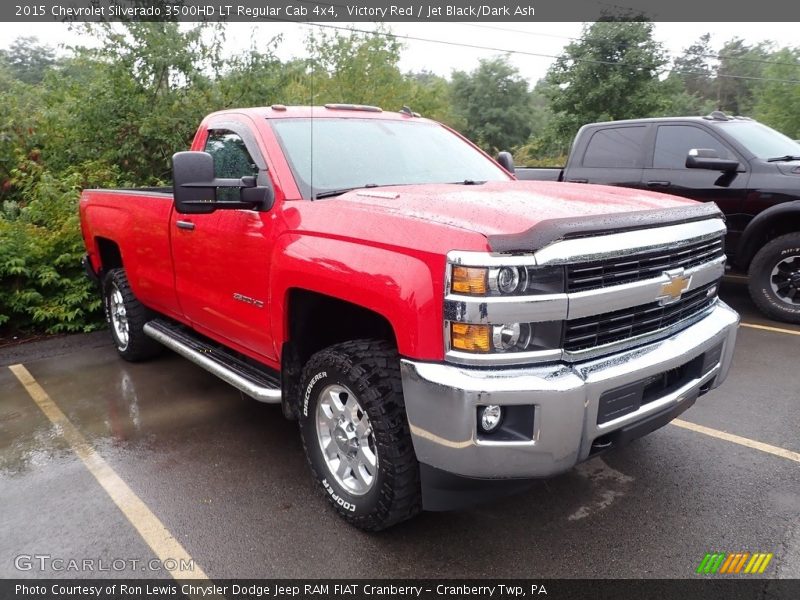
(761, 140)
(329, 154)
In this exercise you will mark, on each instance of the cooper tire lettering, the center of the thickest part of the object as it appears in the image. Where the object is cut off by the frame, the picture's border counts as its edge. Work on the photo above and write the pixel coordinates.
(337, 498)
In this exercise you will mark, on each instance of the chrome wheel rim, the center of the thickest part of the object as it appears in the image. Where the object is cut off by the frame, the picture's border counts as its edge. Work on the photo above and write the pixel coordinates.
(346, 439)
(119, 318)
(785, 280)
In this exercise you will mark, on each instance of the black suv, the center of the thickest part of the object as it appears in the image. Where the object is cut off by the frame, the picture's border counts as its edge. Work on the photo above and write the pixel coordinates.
(751, 171)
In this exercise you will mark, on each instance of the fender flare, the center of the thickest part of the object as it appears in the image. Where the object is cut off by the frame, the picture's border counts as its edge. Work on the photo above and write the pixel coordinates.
(757, 228)
(408, 296)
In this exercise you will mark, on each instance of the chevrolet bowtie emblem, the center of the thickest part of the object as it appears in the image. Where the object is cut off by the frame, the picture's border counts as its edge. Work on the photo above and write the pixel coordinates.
(677, 284)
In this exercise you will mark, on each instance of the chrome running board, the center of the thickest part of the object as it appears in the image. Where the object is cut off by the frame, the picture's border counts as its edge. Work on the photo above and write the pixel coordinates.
(257, 383)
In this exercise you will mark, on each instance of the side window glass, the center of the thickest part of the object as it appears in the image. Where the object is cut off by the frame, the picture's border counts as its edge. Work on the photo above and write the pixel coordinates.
(619, 147)
(231, 160)
(673, 143)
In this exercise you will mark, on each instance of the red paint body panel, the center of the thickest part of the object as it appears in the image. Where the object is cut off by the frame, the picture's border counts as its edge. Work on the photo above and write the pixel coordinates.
(385, 254)
(139, 224)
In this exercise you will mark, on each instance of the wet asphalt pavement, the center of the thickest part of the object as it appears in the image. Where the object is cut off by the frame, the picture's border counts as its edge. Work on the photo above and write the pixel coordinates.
(227, 477)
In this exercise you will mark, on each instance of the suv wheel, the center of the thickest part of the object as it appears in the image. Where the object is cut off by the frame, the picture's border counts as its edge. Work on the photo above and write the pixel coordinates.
(775, 278)
(355, 434)
(126, 318)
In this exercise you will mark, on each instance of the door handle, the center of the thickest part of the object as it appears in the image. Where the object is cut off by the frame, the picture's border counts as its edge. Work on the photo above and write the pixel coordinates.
(185, 225)
(577, 181)
(658, 183)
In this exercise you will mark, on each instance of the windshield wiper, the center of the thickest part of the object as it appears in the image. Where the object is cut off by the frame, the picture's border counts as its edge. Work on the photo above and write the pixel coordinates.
(332, 193)
(787, 158)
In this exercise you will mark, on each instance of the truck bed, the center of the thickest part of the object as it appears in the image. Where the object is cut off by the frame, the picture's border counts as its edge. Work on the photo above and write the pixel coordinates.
(139, 191)
(538, 173)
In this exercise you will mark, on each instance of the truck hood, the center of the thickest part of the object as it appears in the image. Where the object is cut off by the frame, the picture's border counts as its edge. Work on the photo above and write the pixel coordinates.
(506, 208)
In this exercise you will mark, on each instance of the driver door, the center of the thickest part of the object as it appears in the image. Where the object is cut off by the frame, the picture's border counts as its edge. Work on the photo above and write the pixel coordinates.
(668, 173)
(222, 259)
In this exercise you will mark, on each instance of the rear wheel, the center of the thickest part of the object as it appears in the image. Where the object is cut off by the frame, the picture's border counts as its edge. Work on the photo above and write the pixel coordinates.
(775, 278)
(355, 434)
(126, 318)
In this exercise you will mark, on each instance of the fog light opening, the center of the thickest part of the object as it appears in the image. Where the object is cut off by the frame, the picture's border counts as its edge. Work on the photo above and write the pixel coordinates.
(490, 418)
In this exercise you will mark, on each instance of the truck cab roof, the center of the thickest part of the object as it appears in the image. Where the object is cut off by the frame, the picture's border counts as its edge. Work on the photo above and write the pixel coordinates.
(714, 117)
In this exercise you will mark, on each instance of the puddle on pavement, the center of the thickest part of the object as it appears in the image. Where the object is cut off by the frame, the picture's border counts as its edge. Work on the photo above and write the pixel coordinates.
(117, 406)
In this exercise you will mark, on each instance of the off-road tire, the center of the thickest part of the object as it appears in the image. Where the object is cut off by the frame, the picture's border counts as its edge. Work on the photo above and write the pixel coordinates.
(371, 369)
(138, 346)
(760, 276)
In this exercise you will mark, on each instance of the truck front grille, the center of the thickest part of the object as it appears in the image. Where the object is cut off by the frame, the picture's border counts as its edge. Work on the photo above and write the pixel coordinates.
(637, 267)
(606, 328)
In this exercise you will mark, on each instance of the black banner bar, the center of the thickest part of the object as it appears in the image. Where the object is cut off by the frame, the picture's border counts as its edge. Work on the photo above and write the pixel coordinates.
(702, 588)
(400, 11)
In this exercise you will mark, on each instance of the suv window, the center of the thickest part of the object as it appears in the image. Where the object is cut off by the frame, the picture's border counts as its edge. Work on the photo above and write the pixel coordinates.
(619, 147)
(673, 143)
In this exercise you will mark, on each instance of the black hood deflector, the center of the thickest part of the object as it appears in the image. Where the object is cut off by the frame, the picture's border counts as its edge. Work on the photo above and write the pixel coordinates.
(553, 230)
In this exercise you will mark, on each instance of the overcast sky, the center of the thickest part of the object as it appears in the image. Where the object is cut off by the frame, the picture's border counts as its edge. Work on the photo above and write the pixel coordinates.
(523, 38)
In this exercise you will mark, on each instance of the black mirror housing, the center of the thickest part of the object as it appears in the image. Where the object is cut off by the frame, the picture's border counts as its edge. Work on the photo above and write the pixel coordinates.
(505, 160)
(189, 170)
(258, 196)
(194, 186)
(707, 158)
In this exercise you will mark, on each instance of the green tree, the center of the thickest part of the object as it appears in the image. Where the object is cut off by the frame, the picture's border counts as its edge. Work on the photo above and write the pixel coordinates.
(610, 73)
(494, 104)
(356, 68)
(689, 88)
(259, 78)
(778, 102)
(28, 60)
(694, 68)
(104, 118)
(430, 96)
(135, 100)
(738, 76)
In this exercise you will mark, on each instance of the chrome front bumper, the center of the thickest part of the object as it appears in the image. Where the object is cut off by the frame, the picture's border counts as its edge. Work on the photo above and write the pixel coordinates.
(442, 400)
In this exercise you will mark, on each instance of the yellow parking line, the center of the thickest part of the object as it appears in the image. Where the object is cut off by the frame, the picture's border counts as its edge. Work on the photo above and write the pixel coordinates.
(768, 328)
(161, 541)
(736, 439)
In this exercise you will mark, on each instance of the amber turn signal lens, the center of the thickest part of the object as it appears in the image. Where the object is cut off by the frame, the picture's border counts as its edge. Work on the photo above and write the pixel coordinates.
(472, 338)
(469, 280)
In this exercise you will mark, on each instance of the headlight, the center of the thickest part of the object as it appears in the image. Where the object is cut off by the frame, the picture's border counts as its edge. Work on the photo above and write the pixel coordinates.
(508, 337)
(506, 281)
(492, 311)
(511, 335)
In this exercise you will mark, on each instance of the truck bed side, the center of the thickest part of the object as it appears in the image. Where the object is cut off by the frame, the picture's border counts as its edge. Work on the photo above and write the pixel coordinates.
(131, 227)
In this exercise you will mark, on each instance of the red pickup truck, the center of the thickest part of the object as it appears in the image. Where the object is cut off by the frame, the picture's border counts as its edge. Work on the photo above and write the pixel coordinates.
(442, 332)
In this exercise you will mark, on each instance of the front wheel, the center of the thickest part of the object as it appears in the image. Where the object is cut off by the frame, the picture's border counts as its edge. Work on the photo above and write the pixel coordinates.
(356, 436)
(774, 278)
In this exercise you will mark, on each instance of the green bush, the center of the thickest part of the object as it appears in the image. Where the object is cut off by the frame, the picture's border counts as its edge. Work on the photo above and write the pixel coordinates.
(42, 287)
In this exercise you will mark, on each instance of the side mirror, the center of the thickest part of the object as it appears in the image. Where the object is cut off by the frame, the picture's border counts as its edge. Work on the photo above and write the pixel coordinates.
(707, 158)
(195, 187)
(506, 161)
